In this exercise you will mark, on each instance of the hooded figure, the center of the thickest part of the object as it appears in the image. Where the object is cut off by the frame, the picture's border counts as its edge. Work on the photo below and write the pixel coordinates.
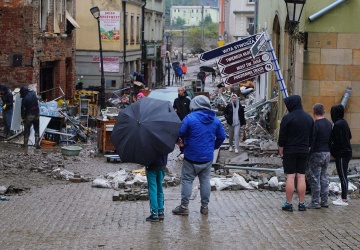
(340, 149)
(201, 132)
(235, 118)
(7, 100)
(294, 144)
(30, 114)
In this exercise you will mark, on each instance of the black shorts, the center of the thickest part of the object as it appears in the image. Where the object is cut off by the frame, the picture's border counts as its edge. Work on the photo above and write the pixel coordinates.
(295, 163)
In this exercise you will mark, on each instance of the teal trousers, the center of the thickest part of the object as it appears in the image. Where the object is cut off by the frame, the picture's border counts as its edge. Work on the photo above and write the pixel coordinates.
(155, 188)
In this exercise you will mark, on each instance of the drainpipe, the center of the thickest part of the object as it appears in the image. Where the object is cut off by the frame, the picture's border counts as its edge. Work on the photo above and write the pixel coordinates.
(143, 45)
(346, 96)
(325, 10)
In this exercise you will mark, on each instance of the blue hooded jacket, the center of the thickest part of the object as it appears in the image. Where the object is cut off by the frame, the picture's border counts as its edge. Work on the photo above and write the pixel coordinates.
(202, 131)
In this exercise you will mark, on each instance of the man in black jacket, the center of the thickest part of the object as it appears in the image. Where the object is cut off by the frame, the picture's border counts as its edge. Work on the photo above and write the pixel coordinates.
(294, 145)
(182, 103)
(30, 114)
(340, 149)
(7, 101)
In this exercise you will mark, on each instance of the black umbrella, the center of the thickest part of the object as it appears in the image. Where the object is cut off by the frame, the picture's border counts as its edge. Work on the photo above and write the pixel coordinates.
(207, 69)
(145, 131)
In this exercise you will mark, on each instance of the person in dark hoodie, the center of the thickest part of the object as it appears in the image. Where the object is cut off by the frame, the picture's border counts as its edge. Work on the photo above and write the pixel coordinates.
(30, 114)
(155, 174)
(294, 145)
(340, 149)
(7, 101)
(235, 118)
(202, 132)
(182, 103)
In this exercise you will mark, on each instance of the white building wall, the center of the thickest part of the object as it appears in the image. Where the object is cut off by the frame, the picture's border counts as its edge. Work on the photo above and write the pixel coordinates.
(192, 14)
(239, 11)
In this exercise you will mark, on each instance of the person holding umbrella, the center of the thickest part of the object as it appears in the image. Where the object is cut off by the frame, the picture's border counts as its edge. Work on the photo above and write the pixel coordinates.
(202, 132)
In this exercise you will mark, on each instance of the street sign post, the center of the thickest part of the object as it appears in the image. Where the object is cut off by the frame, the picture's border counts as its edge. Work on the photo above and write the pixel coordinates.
(257, 46)
(248, 63)
(229, 48)
(245, 75)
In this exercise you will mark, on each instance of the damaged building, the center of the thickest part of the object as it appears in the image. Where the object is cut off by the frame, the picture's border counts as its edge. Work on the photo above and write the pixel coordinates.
(38, 46)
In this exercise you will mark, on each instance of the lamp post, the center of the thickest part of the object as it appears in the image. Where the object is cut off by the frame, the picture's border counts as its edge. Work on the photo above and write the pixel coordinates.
(182, 44)
(95, 11)
(167, 35)
(294, 9)
(124, 40)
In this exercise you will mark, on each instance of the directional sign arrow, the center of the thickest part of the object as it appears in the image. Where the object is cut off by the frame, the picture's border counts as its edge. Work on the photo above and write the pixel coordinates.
(257, 46)
(249, 74)
(245, 64)
(229, 48)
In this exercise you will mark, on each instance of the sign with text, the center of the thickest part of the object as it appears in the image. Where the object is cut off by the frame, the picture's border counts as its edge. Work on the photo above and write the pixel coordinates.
(229, 48)
(248, 74)
(242, 65)
(258, 45)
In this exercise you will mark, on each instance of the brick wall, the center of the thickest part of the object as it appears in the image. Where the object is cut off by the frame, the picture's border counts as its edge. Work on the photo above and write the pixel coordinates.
(331, 64)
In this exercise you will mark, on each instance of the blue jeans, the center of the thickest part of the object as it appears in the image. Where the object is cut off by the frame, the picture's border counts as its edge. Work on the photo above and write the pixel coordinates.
(7, 116)
(155, 189)
(318, 163)
(188, 174)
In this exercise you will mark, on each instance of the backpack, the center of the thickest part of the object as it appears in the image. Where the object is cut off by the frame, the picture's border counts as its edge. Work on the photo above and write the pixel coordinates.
(178, 71)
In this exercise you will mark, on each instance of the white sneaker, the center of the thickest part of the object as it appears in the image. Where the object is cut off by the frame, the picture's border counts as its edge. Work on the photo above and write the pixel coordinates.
(340, 202)
(236, 150)
(230, 149)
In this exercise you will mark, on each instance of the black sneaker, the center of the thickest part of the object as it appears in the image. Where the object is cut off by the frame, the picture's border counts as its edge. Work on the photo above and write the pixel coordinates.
(179, 210)
(302, 206)
(324, 204)
(287, 207)
(161, 216)
(153, 218)
(204, 210)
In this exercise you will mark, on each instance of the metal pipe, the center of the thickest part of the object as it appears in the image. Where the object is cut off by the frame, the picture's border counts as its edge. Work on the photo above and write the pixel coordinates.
(254, 168)
(333, 178)
(346, 96)
(325, 10)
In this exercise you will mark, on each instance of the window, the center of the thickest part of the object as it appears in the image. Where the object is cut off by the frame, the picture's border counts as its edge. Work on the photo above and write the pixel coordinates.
(110, 83)
(138, 31)
(251, 1)
(249, 22)
(132, 36)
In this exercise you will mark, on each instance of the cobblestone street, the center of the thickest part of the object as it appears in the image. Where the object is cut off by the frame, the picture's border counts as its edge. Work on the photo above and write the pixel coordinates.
(77, 216)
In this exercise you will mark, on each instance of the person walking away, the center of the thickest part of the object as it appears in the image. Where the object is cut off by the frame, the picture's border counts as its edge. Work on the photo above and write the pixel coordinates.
(8, 104)
(340, 149)
(155, 174)
(319, 158)
(184, 69)
(182, 103)
(30, 114)
(178, 73)
(294, 142)
(202, 77)
(235, 118)
(202, 132)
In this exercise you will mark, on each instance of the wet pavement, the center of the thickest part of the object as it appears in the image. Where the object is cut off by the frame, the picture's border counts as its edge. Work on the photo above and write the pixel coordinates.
(77, 216)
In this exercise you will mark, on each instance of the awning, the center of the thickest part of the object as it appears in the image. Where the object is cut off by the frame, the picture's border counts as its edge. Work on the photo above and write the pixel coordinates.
(71, 20)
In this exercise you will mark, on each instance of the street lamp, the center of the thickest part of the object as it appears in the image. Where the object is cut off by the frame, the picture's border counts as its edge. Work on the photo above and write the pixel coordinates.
(182, 44)
(167, 35)
(95, 11)
(294, 9)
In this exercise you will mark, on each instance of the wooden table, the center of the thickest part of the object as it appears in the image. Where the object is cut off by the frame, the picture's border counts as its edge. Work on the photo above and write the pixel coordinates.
(104, 132)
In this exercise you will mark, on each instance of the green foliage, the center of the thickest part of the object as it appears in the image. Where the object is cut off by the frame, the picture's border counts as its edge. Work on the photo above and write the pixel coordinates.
(207, 19)
(179, 21)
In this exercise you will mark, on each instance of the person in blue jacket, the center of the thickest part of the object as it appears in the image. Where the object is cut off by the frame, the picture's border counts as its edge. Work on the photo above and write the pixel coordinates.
(155, 174)
(201, 133)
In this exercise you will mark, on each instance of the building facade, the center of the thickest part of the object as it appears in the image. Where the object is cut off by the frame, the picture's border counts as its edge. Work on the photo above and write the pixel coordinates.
(320, 60)
(240, 19)
(193, 15)
(38, 46)
(120, 29)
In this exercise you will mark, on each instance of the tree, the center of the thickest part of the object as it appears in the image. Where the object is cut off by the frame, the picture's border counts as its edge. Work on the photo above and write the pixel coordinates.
(179, 21)
(207, 19)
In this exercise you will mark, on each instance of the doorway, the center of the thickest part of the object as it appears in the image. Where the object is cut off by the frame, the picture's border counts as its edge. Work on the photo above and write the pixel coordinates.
(46, 81)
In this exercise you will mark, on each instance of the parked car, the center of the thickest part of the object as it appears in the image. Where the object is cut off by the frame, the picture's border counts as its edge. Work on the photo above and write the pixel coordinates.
(169, 93)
